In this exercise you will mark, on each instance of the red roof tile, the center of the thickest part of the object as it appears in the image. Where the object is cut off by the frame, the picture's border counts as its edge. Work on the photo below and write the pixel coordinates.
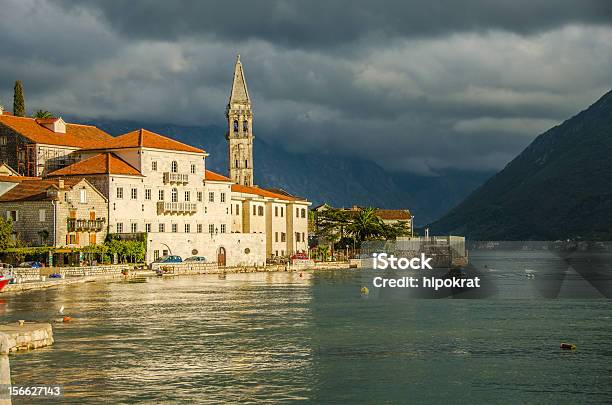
(400, 215)
(260, 192)
(77, 136)
(34, 190)
(210, 175)
(17, 179)
(142, 138)
(103, 163)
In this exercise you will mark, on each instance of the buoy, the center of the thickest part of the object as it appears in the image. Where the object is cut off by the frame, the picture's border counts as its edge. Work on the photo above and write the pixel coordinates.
(66, 319)
(567, 346)
(364, 290)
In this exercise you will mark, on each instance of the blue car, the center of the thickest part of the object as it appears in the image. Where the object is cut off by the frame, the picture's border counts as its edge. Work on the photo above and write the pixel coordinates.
(169, 259)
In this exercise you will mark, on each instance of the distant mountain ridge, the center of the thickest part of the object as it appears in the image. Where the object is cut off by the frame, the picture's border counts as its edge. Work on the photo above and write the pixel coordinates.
(337, 180)
(559, 187)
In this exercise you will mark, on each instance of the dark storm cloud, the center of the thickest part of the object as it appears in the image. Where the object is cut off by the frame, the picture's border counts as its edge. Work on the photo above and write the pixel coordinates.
(412, 85)
(323, 23)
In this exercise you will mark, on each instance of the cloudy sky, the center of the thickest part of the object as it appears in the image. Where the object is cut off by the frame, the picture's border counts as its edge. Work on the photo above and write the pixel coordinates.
(415, 85)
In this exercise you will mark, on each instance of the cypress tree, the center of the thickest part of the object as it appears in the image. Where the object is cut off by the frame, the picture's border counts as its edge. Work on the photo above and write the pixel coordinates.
(18, 100)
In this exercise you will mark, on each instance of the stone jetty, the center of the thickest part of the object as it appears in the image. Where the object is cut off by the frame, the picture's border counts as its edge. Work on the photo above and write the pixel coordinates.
(25, 336)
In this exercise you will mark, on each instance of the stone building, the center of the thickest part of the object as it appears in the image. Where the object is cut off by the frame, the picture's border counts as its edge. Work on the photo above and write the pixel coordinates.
(154, 185)
(240, 130)
(35, 147)
(56, 212)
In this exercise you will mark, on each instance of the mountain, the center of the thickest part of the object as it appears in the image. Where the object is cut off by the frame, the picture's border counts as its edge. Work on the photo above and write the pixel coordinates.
(559, 187)
(337, 180)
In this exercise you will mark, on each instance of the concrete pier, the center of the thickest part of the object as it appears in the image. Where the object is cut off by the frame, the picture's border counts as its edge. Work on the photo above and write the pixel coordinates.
(24, 336)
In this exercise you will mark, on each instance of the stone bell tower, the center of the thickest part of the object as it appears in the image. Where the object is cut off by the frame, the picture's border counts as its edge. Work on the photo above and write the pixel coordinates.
(240, 130)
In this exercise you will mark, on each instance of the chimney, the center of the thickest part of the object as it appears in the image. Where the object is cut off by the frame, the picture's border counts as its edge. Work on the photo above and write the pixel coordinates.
(60, 183)
(1, 109)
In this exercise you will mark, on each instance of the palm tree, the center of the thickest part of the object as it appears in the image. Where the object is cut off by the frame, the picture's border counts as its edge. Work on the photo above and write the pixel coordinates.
(366, 225)
(43, 114)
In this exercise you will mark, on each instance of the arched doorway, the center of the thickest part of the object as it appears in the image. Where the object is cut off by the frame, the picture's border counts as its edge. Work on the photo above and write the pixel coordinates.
(221, 257)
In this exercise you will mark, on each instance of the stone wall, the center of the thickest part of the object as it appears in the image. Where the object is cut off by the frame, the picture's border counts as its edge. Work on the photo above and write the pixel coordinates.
(28, 224)
(26, 336)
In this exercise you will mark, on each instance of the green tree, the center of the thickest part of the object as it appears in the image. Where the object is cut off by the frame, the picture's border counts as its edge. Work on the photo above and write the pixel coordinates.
(43, 114)
(366, 225)
(18, 100)
(6, 233)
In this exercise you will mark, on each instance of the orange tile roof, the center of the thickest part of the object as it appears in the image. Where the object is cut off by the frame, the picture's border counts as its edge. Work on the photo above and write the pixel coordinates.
(393, 214)
(238, 188)
(142, 138)
(34, 190)
(210, 175)
(103, 163)
(17, 179)
(77, 136)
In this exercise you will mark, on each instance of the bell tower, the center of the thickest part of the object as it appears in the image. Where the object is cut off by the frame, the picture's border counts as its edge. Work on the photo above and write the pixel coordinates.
(240, 130)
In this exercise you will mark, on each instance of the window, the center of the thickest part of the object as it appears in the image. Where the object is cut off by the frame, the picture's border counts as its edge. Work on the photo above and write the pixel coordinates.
(134, 194)
(119, 192)
(211, 228)
(275, 211)
(275, 236)
(245, 126)
(3, 140)
(154, 166)
(222, 197)
(237, 209)
(187, 228)
(235, 125)
(297, 236)
(211, 197)
(193, 168)
(147, 194)
(72, 239)
(134, 228)
(199, 228)
(254, 210)
(297, 212)
(236, 162)
(283, 237)
(282, 211)
(260, 211)
(119, 227)
(155, 254)
(174, 228)
(174, 195)
(160, 195)
(162, 228)
(303, 212)
(147, 228)
(42, 215)
(174, 166)
(246, 163)
(199, 196)
(303, 237)
(83, 196)
(222, 228)
(187, 196)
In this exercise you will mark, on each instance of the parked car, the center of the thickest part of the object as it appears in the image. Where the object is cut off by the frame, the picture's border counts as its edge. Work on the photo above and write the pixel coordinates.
(169, 259)
(30, 265)
(200, 259)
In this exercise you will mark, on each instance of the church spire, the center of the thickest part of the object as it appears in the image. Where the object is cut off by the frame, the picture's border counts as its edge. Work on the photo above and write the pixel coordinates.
(240, 130)
(239, 93)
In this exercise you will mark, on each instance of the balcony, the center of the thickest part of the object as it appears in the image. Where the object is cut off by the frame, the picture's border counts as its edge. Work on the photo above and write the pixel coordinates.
(176, 178)
(86, 225)
(164, 207)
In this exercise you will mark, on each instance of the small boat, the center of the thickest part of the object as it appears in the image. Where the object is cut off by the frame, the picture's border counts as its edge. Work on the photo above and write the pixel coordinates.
(4, 280)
